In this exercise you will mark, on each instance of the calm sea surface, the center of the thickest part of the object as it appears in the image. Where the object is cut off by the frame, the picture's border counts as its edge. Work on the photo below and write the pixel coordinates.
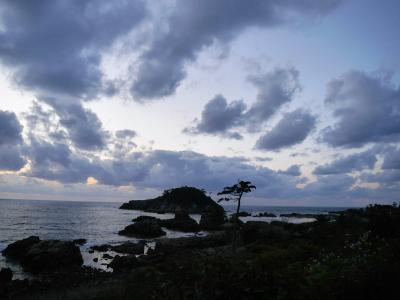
(98, 222)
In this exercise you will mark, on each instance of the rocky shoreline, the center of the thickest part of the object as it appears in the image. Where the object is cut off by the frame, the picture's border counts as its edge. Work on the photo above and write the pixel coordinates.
(275, 260)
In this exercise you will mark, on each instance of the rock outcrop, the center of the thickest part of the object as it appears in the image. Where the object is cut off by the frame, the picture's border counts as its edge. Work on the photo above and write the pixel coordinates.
(212, 218)
(190, 199)
(181, 222)
(39, 256)
(143, 229)
(17, 249)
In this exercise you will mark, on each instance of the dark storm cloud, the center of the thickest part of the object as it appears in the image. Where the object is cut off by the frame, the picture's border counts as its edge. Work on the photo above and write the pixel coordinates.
(195, 25)
(350, 163)
(367, 108)
(57, 162)
(54, 45)
(392, 159)
(84, 128)
(11, 158)
(292, 129)
(218, 117)
(10, 128)
(274, 89)
(158, 169)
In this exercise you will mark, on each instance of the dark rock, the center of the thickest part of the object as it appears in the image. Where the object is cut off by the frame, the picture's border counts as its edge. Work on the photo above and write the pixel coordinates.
(144, 229)
(6, 275)
(79, 242)
(182, 222)
(190, 199)
(266, 214)
(19, 248)
(124, 263)
(243, 214)
(177, 244)
(298, 215)
(95, 259)
(51, 255)
(212, 218)
(129, 248)
(107, 256)
(101, 248)
(142, 218)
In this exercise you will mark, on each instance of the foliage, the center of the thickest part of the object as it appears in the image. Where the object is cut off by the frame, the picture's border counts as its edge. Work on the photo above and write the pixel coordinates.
(235, 193)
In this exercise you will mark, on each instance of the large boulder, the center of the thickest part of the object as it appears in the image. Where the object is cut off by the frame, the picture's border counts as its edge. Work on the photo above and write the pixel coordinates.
(212, 218)
(51, 255)
(17, 249)
(39, 256)
(190, 199)
(143, 229)
(181, 222)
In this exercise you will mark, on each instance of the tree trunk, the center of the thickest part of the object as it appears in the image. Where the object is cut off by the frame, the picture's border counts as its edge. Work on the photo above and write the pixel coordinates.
(236, 225)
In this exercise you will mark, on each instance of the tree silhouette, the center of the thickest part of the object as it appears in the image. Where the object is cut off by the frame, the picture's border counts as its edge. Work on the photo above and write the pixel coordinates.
(235, 193)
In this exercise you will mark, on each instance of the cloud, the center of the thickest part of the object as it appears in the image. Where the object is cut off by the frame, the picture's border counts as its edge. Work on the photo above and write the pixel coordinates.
(292, 171)
(392, 159)
(292, 129)
(194, 25)
(55, 46)
(125, 134)
(73, 123)
(11, 158)
(350, 163)
(275, 88)
(58, 163)
(218, 117)
(367, 108)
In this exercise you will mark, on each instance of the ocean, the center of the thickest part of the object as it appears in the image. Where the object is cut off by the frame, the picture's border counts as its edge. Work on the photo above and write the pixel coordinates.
(98, 222)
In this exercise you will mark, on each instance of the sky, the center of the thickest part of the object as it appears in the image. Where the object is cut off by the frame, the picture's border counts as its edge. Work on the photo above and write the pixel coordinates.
(111, 101)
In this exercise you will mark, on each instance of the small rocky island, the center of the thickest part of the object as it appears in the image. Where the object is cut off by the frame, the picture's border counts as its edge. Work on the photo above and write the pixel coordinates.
(189, 199)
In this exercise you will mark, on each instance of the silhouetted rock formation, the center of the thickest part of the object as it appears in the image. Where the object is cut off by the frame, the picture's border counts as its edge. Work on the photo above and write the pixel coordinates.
(181, 222)
(129, 248)
(266, 214)
(19, 248)
(212, 218)
(39, 256)
(142, 218)
(145, 229)
(190, 199)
